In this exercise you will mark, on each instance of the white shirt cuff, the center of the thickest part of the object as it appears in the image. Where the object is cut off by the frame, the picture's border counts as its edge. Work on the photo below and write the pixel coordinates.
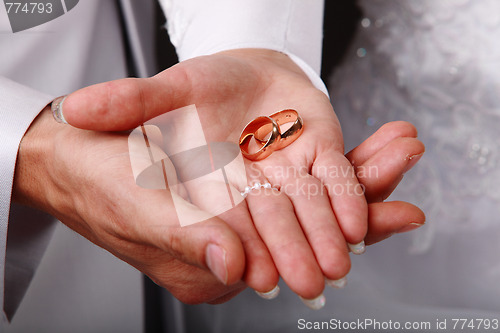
(294, 27)
(19, 105)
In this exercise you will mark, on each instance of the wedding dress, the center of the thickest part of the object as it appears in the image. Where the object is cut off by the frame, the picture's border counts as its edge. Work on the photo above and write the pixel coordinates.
(435, 63)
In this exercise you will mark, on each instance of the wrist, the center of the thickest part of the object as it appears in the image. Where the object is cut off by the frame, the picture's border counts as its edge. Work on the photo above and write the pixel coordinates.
(30, 185)
(286, 61)
(268, 56)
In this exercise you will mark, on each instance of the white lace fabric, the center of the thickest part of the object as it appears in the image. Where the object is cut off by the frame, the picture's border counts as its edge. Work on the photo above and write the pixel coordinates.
(436, 64)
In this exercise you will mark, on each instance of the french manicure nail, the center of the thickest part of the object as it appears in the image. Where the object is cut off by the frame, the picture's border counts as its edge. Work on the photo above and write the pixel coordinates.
(340, 283)
(216, 261)
(359, 248)
(409, 227)
(57, 109)
(316, 303)
(270, 294)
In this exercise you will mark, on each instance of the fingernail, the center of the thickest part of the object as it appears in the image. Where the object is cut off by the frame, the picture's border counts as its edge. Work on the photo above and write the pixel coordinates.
(409, 227)
(57, 109)
(359, 248)
(340, 283)
(412, 161)
(316, 303)
(216, 261)
(270, 294)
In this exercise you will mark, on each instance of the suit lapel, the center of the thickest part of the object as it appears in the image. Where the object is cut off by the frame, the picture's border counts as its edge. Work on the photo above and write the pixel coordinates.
(139, 20)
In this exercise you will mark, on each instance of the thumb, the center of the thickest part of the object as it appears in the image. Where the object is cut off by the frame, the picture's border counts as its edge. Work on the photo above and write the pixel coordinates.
(210, 245)
(126, 103)
(187, 233)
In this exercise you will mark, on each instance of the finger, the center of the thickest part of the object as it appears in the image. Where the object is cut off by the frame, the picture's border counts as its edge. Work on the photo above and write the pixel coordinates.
(314, 212)
(123, 104)
(274, 217)
(345, 193)
(385, 134)
(209, 244)
(388, 218)
(214, 197)
(383, 171)
(260, 271)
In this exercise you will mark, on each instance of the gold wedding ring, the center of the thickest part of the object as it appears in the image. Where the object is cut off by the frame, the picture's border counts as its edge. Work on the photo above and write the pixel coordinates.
(292, 133)
(266, 149)
(267, 134)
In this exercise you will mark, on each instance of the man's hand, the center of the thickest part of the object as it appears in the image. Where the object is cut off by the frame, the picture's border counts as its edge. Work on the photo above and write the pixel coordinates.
(84, 179)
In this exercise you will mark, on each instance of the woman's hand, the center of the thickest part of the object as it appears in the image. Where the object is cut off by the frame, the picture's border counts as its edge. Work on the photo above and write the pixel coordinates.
(300, 235)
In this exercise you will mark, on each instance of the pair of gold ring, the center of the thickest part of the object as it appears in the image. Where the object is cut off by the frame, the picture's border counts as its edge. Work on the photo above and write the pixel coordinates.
(267, 134)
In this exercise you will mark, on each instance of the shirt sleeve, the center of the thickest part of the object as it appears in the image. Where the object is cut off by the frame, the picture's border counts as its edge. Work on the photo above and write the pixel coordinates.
(294, 27)
(19, 105)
